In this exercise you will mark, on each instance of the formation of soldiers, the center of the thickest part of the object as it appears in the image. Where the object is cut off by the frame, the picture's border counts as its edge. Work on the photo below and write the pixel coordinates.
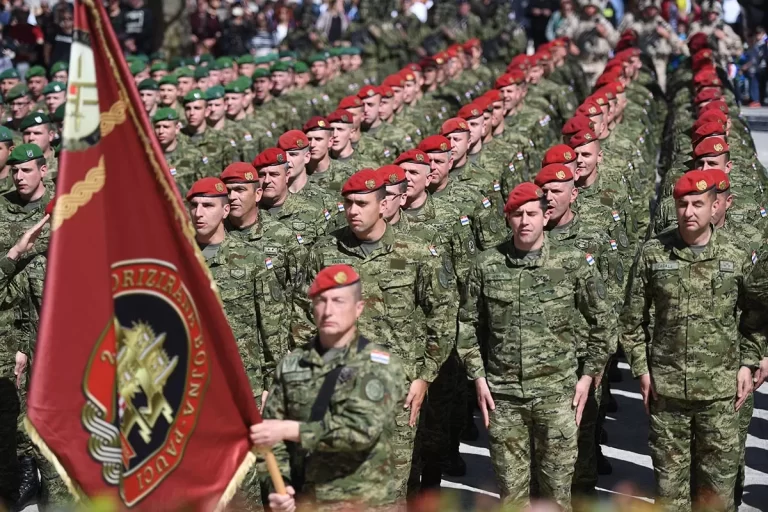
(388, 247)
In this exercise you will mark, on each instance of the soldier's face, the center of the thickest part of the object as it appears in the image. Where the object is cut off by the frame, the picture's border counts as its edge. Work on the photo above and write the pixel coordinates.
(243, 198)
(61, 76)
(371, 109)
(247, 99)
(261, 88)
(590, 11)
(274, 182)
(318, 70)
(357, 116)
(7, 84)
(186, 83)
(509, 95)
(217, 109)
(159, 74)
(203, 83)
(5, 152)
(395, 200)
(141, 76)
(247, 69)
(560, 196)
(497, 116)
(208, 213)
(297, 162)
(599, 122)
(148, 99)
(345, 62)
(475, 130)
(417, 176)
(695, 211)
(336, 311)
(723, 203)
(168, 94)
(319, 142)
(398, 97)
(165, 132)
(341, 135)
(280, 80)
(54, 100)
(430, 75)
(588, 157)
(459, 144)
(386, 108)
(363, 211)
(355, 62)
(440, 165)
(39, 135)
(409, 91)
(214, 77)
(535, 74)
(20, 107)
(36, 84)
(227, 75)
(195, 112)
(487, 126)
(28, 179)
(301, 79)
(234, 102)
(722, 161)
(528, 223)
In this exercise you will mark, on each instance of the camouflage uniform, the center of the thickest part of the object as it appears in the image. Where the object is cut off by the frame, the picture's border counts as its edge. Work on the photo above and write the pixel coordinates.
(659, 49)
(594, 48)
(217, 151)
(349, 454)
(696, 353)
(187, 165)
(304, 216)
(519, 305)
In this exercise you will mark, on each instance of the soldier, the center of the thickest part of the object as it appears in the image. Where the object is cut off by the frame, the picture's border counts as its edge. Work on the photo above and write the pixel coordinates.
(525, 392)
(18, 98)
(411, 294)
(186, 163)
(185, 79)
(55, 94)
(9, 79)
(148, 91)
(37, 129)
(345, 161)
(335, 400)
(158, 71)
(299, 213)
(59, 72)
(202, 81)
(6, 146)
(36, 81)
(168, 94)
(246, 65)
(721, 37)
(691, 280)
(593, 36)
(318, 132)
(216, 149)
(295, 143)
(391, 138)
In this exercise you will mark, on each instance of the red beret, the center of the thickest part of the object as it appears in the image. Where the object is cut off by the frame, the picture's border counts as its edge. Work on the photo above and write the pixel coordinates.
(707, 130)
(408, 75)
(720, 179)
(393, 81)
(471, 43)
(207, 187)
(553, 172)
(630, 34)
(582, 138)
(292, 139)
(520, 63)
(362, 182)
(589, 108)
(693, 182)
(316, 123)
(607, 78)
(614, 87)
(469, 111)
(614, 65)
(416, 156)
(340, 116)
(391, 174)
(509, 79)
(522, 194)
(711, 146)
(710, 115)
(624, 43)
(560, 154)
(416, 68)
(576, 124)
(335, 276)
(454, 124)
(483, 103)
(701, 57)
(369, 91)
(698, 42)
(493, 95)
(350, 102)
(440, 58)
(270, 156)
(708, 94)
(599, 97)
(386, 91)
(607, 92)
(628, 53)
(720, 105)
(240, 172)
(428, 63)
(50, 206)
(435, 144)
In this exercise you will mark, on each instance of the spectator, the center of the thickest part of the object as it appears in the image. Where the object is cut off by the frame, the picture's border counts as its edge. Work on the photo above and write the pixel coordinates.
(236, 34)
(139, 34)
(263, 40)
(353, 11)
(28, 39)
(5, 13)
(558, 18)
(284, 17)
(7, 51)
(44, 17)
(59, 42)
(117, 18)
(205, 27)
(539, 12)
(755, 67)
(333, 22)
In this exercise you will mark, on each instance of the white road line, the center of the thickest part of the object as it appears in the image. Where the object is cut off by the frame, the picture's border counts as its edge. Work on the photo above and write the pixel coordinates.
(756, 442)
(643, 498)
(760, 413)
(627, 456)
(474, 450)
(623, 366)
(462, 487)
(763, 390)
(628, 394)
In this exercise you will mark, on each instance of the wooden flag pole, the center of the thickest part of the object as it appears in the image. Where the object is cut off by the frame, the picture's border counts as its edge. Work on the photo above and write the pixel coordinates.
(274, 472)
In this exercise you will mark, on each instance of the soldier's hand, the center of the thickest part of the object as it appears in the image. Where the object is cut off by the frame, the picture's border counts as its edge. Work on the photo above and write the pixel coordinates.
(264, 395)
(283, 502)
(270, 432)
(762, 373)
(601, 29)
(646, 389)
(581, 395)
(719, 34)
(744, 380)
(484, 399)
(415, 399)
(662, 32)
(21, 366)
(27, 240)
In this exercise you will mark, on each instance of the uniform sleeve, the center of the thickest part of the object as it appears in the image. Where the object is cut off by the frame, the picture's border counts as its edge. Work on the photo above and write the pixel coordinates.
(594, 304)
(611, 34)
(302, 326)
(355, 420)
(732, 42)
(635, 318)
(470, 318)
(753, 326)
(438, 298)
(274, 409)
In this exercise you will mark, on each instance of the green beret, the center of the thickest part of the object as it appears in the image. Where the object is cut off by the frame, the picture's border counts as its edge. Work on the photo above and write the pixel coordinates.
(184, 71)
(214, 93)
(59, 66)
(350, 50)
(137, 67)
(317, 57)
(142, 57)
(280, 66)
(9, 73)
(53, 87)
(201, 72)
(245, 59)
(159, 66)
(158, 55)
(24, 153)
(168, 79)
(175, 62)
(16, 92)
(148, 85)
(272, 57)
(165, 114)
(193, 95)
(246, 81)
(206, 58)
(58, 115)
(261, 73)
(35, 119)
(6, 135)
(36, 71)
(336, 51)
(264, 59)
(225, 62)
(236, 86)
(300, 67)
(286, 53)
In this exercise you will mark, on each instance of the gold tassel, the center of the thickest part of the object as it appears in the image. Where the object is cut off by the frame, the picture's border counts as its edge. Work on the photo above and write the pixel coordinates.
(237, 479)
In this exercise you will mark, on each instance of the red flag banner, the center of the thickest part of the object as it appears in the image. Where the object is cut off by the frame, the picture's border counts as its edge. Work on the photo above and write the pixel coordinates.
(138, 391)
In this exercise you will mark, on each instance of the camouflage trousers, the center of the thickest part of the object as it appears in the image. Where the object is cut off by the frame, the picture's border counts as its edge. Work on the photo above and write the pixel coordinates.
(549, 422)
(694, 440)
(403, 446)
(585, 471)
(745, 417)
(9, 463)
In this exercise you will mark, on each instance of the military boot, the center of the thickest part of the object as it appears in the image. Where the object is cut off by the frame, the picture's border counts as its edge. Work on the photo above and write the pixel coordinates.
(30, 482)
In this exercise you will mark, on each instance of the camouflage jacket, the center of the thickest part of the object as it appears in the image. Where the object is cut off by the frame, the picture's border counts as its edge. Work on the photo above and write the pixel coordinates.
(187, 165)
(216, 148)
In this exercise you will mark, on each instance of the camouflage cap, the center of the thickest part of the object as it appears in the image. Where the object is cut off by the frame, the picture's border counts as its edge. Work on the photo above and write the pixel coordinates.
(24, 153)
(16, 92)
(6, 135)
(9, 74)
(165, 114)
(36, 71)
(54, 87)
(35, 119)
(169, 80)
(148, 85)
(214, 93)
(59, 66)
(193, 95)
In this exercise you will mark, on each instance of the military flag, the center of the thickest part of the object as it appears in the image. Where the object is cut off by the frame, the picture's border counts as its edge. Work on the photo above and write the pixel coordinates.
(138, 390)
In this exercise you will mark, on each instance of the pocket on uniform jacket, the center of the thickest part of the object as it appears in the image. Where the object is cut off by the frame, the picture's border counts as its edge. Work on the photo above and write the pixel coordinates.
(398, 291)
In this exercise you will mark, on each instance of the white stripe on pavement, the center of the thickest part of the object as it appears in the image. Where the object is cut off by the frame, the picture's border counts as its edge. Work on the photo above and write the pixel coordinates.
(760, 413)
(474, 450)
(628, 394)
(763, 390)
(627, 456)
(647, 500)
(462, 487)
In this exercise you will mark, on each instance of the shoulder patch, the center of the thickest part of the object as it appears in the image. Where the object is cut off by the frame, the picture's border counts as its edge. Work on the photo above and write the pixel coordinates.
(377, 356)
(374, 390)
(726, 266)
